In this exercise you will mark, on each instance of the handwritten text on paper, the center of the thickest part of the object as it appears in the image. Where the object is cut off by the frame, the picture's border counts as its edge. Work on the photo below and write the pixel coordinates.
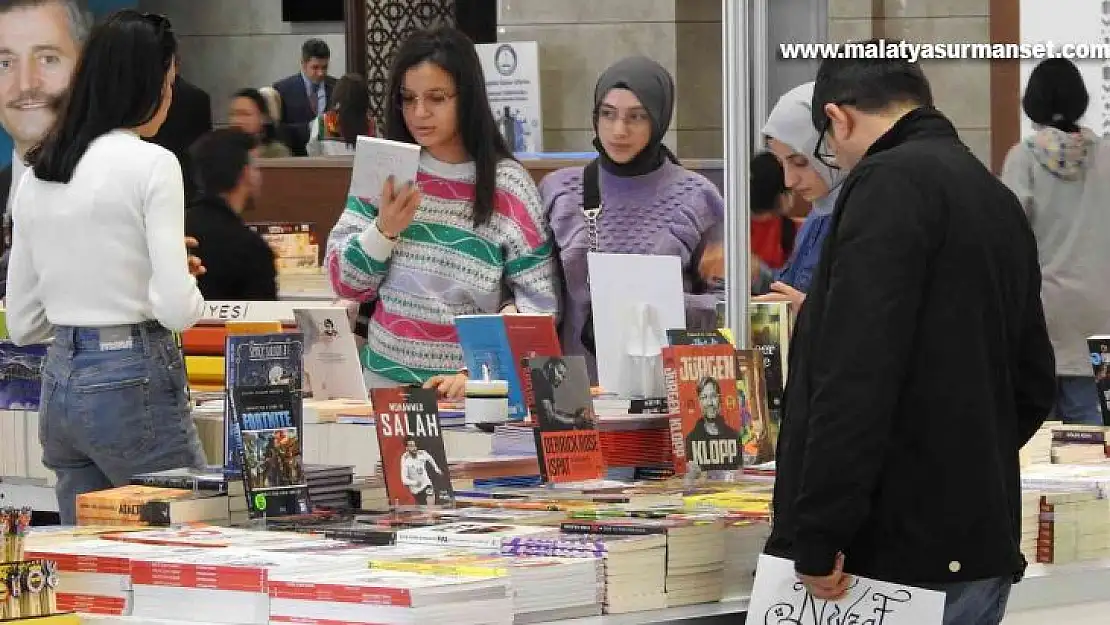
(778, 598)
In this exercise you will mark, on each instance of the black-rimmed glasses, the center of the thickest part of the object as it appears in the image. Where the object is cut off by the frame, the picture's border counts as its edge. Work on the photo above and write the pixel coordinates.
(820, 151)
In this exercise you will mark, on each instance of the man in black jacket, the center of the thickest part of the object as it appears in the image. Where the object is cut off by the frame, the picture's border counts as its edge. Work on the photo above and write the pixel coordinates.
(239, 264)
(189, 118)
(920, 363)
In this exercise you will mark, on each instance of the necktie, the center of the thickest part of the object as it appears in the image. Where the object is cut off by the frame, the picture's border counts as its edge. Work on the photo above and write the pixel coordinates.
(314, 99)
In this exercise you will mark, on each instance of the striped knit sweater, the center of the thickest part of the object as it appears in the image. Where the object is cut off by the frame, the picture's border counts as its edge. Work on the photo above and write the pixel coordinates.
(442, 266)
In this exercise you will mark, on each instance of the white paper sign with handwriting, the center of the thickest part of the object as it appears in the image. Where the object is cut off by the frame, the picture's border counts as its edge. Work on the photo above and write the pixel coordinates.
(778, 598)
(378, 159)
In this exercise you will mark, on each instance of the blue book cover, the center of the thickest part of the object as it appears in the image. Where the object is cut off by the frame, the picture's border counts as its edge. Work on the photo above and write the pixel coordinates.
(259, 360)
(21, 376)
(485, 343)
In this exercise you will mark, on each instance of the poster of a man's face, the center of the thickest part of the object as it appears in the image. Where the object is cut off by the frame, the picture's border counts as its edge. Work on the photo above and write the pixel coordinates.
(709, 396)
(40, 41)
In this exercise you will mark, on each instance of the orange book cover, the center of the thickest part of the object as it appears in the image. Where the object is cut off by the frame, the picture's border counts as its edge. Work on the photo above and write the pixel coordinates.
(702, 393)
(567, 441)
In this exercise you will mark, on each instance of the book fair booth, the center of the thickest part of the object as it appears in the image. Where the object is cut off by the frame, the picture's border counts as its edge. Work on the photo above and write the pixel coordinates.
(536, 499)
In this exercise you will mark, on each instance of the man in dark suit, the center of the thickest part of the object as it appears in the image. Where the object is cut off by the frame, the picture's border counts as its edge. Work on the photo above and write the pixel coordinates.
(306, 94)
(189, 118)
(239, 264)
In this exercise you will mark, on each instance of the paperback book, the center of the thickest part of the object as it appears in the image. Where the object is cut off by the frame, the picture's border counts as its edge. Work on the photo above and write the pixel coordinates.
(271, 454)
(568, 445)
(254, 360)
(500, 345)
(703, 394)
(414, 461)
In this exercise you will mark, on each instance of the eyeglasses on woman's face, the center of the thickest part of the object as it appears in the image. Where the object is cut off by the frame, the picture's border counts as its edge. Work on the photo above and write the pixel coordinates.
(432, 100)
(636, 117)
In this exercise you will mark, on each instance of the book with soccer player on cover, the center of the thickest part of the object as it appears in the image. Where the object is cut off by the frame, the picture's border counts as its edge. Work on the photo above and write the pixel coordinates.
(414, 461)
(706, 421)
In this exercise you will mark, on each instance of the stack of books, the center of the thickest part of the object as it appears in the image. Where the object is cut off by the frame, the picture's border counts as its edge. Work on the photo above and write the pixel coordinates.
(634, 566)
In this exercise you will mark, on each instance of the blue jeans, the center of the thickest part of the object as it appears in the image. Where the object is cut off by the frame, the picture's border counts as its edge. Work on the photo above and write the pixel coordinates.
(1077, 401)
(981, 602)
(114, 404)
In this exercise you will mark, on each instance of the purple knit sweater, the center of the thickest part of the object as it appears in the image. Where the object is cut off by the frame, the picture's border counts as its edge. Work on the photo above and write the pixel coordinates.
(670, 211)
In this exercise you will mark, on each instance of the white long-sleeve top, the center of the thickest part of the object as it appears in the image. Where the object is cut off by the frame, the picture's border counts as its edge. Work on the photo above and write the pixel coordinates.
(105, 249)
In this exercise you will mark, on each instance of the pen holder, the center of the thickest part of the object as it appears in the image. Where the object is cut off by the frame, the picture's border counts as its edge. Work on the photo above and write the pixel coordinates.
(487, 403)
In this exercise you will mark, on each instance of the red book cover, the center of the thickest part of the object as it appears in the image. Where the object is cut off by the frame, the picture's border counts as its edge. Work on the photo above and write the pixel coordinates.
(414, 462)
(531, 336)
(567, 440)
(701, 388)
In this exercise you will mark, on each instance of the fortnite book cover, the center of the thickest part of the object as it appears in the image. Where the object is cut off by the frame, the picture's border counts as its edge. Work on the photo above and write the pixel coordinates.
(255, 360)
(414, 460)
(271, 454)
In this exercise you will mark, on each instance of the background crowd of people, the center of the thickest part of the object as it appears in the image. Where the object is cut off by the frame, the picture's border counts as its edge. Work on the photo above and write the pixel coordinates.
(942, 311)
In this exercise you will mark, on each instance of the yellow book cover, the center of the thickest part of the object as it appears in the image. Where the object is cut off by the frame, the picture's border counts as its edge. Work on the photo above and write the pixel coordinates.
(460, 565)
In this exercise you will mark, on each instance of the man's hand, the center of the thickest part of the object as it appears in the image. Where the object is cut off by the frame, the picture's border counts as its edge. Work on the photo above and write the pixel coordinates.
(782, 292)
(196, 266)
(449, 386)
(830, 587)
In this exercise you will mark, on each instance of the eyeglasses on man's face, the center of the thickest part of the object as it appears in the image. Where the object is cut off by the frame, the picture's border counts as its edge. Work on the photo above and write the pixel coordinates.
(821, 151)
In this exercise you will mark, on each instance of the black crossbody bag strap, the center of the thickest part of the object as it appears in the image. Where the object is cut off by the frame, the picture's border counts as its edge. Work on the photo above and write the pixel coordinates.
(591, 212)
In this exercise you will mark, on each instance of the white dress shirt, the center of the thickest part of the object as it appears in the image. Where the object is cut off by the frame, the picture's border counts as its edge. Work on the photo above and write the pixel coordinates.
(105, 249)
(17, 173)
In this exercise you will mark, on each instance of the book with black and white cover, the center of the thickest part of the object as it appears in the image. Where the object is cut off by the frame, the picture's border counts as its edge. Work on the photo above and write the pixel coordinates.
(331, 365)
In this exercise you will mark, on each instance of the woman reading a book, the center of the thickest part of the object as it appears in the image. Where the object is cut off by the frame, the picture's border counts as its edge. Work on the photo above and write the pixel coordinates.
(635, 198)
(469, 237)
(99, 263)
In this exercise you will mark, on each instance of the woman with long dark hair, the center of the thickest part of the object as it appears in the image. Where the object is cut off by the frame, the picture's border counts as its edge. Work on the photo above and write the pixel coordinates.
(468, 238)
(335, 132)
(99, 263)
(1060, 173)
(249, 112)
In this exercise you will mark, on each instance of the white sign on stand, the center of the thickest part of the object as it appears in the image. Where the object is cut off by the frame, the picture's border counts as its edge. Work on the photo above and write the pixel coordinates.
(512, 71)
(1085, 24)
(778, 597)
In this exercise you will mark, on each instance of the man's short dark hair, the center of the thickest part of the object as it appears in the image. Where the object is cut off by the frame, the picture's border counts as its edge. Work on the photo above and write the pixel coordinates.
(80, 18)
(218, 159)
(315, 49)
(768, 183)
(1056, 95)
(870, 84)
(707, 381)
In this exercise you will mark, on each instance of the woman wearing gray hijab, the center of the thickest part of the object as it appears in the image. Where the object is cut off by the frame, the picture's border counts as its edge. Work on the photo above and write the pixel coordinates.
(790, 135)
(634, 198)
